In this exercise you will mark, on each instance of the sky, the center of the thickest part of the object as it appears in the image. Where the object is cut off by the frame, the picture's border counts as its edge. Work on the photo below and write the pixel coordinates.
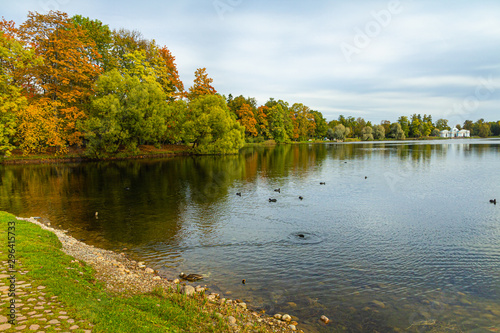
(373, 59)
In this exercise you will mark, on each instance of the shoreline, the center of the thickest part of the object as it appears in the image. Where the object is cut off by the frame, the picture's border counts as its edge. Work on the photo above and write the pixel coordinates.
(126, 277)
(179, 150)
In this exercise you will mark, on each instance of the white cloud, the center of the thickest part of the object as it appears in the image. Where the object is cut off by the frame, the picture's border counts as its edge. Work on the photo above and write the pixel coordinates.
(426, 60)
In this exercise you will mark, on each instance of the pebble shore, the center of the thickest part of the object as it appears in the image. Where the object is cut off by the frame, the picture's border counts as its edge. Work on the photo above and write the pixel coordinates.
(125, 276)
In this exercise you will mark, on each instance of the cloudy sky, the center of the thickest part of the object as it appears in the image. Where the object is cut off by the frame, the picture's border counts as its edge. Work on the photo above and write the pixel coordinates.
(372, 59)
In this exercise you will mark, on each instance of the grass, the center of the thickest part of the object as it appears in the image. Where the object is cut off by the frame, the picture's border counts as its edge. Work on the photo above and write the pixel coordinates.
(40, 253)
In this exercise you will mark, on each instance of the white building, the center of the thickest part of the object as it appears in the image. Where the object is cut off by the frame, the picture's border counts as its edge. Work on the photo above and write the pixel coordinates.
(444, 133)
(464, 133)
(455, 133)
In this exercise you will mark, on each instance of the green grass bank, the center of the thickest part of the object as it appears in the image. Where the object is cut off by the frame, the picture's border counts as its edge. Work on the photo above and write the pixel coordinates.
(41, 265)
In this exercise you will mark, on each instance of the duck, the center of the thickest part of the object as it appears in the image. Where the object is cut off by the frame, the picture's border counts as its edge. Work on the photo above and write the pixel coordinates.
(366, 177)
(301, 198)
(322, 183)
(278, 190)
(272, 200)
(301, 236)
(243, 281)
(191, 277)
(238, 194)
(493, 201)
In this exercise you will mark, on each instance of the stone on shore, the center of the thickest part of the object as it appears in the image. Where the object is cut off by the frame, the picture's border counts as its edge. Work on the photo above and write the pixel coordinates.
(188, 290)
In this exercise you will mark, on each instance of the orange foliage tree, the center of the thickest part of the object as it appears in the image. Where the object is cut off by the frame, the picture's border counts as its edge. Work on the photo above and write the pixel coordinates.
(247, 119)
(262, 122)
(175, 86)
(64, 80)
(202, 85)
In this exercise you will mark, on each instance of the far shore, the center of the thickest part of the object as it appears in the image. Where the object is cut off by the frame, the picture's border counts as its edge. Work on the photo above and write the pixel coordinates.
(76, 155)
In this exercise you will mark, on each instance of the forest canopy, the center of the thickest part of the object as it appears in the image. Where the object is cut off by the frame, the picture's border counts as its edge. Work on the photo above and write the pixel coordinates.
(74, 82)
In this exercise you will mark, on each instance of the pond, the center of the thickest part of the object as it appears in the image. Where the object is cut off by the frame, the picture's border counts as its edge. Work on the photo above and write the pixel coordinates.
(400, 237)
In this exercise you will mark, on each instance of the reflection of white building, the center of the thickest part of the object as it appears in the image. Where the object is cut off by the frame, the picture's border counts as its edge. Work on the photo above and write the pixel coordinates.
(455, 133)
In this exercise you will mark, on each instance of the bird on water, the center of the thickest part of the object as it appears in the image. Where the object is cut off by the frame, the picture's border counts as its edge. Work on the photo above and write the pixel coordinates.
(191, 277)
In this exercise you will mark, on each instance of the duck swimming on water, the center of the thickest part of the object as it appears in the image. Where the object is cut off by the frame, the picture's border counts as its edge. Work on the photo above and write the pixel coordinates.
(278, 190)
(493, 201)
(191, 277)
(272, 200)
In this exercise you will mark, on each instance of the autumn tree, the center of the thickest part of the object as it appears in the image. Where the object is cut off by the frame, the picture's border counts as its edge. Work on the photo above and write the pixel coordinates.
(102, 37)
(38, 128)
(68, 71)
(202, 85)
(173, 84)
(303, 121)
(14, 58)
(262, 121)
(247, 119)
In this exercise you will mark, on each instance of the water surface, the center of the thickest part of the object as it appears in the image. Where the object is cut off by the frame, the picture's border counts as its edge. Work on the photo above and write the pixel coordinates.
(401, 237)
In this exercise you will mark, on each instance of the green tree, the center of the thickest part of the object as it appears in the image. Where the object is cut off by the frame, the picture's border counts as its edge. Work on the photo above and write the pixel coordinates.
(321, 125)
(211, 128)
(378, 132)
(495, 128)
(397, 132)
(276, 118)
(484, 130)
(367, 133)
(359, 125)
(442, 124)
(340, 132)
(469, 125)
(405, 125)
(435, 132)
(125, 112)
(415, 127)
(386, 124)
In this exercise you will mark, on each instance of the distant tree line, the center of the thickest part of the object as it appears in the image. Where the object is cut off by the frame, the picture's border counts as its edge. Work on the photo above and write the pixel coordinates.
(72, 81)
(414, 126)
